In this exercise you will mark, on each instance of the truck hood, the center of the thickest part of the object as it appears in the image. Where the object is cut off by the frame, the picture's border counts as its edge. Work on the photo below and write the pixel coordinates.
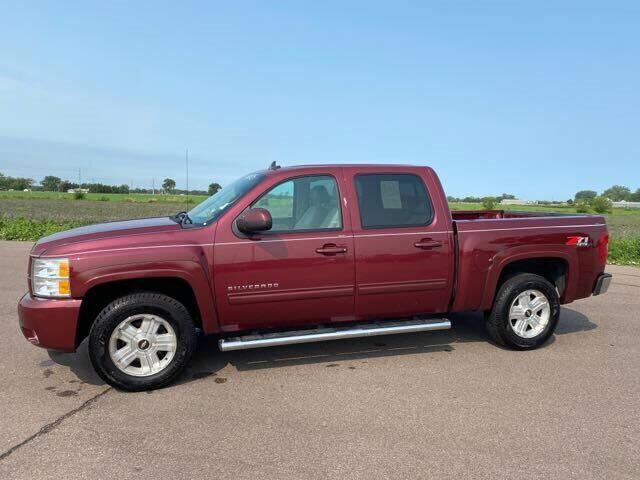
(103, 231)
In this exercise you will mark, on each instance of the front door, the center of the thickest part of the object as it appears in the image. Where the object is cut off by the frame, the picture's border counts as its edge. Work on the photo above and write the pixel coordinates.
(301, 271)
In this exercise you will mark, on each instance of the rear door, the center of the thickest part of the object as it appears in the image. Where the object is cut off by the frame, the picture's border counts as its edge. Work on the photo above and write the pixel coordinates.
(403, 243)
(300, 272)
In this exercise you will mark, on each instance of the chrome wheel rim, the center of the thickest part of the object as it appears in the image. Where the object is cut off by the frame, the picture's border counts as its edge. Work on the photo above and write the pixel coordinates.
(529, 314)
(142, 345)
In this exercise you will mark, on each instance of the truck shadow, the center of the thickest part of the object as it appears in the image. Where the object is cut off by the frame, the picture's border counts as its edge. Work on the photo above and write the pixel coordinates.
(466, 327)
(208, 361)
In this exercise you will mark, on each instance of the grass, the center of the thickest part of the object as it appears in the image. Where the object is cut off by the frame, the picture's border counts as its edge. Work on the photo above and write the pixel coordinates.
(31, 215)
(29, 229)
(624, 251)
(84, 211)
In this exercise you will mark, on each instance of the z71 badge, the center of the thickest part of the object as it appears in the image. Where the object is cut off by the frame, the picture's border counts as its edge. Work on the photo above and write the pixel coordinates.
(579, 241)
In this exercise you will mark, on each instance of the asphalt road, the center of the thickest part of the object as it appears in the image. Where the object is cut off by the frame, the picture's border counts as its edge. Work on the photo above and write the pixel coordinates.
(430, 405)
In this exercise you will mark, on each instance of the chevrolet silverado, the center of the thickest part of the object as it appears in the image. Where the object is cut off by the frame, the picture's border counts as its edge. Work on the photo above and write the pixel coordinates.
(304, 254)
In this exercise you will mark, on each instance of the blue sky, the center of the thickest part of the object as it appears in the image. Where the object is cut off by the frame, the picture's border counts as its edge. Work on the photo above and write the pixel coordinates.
(538, 98)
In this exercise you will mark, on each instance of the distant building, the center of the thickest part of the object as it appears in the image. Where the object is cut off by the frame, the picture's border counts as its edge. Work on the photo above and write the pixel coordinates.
(78, 190)
(625, 204)
(516, 201)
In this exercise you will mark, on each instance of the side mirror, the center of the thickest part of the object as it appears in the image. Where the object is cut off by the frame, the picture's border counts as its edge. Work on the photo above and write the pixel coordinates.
(254, 220)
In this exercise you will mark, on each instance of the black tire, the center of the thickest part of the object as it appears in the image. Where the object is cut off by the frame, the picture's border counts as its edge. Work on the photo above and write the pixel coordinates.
(120, 309)
(498, 323)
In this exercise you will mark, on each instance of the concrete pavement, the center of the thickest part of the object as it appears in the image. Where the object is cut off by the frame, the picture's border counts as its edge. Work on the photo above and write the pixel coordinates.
(432, 405)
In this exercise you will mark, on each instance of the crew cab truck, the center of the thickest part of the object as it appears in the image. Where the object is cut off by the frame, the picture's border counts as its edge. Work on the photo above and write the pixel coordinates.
(302, 254)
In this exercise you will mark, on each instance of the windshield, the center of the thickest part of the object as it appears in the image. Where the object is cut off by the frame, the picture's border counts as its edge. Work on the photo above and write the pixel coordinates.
(215, 205)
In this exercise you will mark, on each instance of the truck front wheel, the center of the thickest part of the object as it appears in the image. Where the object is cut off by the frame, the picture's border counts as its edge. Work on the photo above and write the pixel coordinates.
(141, 341)
(525, 312)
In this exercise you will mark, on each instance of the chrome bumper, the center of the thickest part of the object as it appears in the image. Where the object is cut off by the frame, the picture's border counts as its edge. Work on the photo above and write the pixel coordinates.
(602, 283)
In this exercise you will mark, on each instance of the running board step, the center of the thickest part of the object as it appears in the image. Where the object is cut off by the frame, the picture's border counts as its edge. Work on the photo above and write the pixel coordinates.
(323, 334)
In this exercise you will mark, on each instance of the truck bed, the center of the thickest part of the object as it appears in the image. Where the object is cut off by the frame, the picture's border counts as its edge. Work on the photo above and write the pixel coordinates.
(488, 240)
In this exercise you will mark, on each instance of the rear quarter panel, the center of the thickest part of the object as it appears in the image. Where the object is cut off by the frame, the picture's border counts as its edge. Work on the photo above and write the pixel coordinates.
(486, 247)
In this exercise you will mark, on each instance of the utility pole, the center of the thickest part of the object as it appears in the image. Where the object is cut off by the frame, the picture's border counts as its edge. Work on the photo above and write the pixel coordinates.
(187, 166)
(153, 185)
(79, 177)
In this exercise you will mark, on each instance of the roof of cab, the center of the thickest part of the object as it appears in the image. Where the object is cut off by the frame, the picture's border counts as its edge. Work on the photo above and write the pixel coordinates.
(360, 166)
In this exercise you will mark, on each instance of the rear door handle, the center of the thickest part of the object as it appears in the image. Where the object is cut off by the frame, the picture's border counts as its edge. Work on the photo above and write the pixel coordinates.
(331, 249)
(427, 243)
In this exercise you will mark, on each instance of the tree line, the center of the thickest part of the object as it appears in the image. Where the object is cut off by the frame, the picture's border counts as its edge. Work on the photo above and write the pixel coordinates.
(617, 193)
(587, 200)
(14, 183)
(51, 183)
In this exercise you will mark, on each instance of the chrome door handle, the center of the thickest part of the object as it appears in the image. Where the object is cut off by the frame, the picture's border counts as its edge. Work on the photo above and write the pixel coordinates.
(331, 249)
(427, 243)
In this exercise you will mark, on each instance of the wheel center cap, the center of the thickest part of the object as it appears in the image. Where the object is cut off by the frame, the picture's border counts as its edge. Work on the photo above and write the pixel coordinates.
(144, 344)
(527, 313)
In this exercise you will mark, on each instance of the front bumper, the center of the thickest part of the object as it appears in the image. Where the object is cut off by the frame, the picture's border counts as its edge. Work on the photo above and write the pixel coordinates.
(49, 323)
(602, 283)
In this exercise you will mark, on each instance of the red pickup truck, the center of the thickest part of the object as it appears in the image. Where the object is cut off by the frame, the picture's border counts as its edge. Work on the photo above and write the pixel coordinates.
(303, 254)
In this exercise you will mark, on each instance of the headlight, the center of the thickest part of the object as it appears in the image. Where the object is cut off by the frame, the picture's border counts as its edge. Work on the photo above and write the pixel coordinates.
(50, 277)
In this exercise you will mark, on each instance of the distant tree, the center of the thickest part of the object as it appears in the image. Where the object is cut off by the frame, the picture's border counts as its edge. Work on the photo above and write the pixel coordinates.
(583, 207)
(20, 183)
(617, 193)
(51, 183)
(506, 196)
(635, 196)
(213, 188)
(14, 183)
(169, 185)
(489, 203)
(602, 205)
(585, 195)
(66, 185)
(570, 201)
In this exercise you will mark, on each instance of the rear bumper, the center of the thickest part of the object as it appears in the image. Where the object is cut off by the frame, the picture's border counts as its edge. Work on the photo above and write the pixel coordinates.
(49, 323)
(602, 283)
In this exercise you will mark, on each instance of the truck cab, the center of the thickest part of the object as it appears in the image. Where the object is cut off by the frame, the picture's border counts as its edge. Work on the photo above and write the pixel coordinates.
(345, 244)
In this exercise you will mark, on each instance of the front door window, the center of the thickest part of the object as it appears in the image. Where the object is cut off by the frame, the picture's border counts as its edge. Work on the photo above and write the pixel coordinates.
(303, 204)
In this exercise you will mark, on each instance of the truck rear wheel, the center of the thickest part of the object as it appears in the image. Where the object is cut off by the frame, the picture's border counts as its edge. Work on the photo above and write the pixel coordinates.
(141, 341)
(525, 312)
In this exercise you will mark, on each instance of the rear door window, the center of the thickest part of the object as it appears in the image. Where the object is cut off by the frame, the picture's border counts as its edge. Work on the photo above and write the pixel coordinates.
(392, 200)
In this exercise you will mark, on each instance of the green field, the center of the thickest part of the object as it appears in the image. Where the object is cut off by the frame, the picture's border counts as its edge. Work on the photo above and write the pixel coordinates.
(31, 215)
(107, 197)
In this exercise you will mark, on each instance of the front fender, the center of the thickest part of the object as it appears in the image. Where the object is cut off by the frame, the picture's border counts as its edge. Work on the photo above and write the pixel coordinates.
(191, 271)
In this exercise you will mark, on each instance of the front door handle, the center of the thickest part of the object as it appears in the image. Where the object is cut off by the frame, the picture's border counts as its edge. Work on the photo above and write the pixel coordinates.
(427, 243)
(331, 249)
